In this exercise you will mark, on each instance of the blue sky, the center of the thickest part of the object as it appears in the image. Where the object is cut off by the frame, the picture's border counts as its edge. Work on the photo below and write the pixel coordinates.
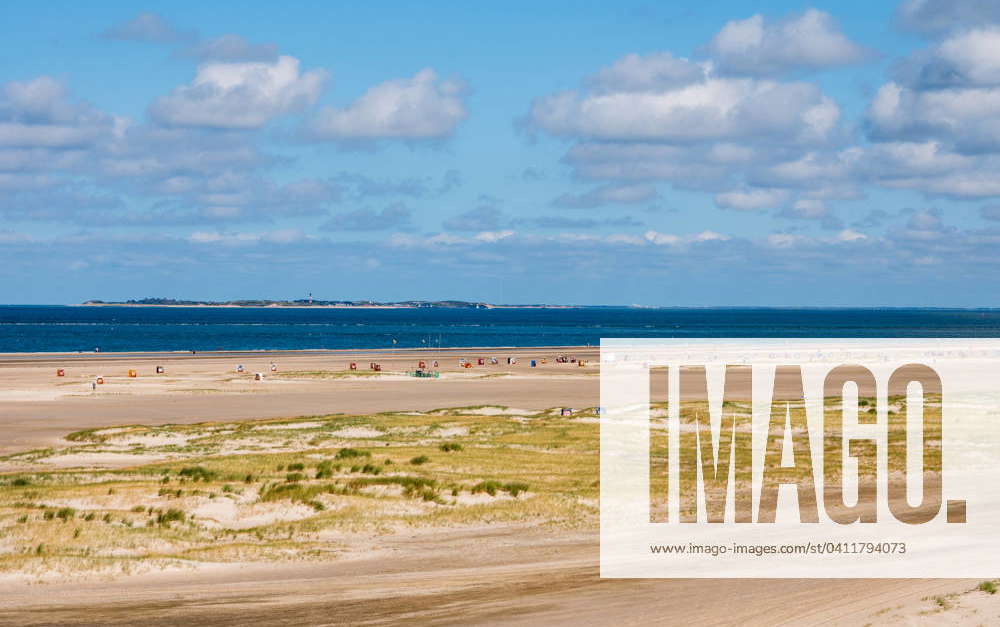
(607, 153)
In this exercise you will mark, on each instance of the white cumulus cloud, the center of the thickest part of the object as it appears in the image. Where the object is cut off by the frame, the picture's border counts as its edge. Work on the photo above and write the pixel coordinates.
(755, 46)
(712, 109)
(240, 95)
(39, 114)
(419, 108)
(936, 125)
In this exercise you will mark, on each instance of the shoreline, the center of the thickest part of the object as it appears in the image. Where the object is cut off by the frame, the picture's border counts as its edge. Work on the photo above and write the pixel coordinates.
(472, 351)
(278, 352)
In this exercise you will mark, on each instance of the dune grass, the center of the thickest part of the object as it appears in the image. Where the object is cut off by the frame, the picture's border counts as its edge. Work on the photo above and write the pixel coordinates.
(268, 489)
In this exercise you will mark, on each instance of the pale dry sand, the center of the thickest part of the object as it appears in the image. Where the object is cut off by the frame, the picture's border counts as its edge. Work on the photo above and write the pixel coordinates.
(492, 575)
(43, 407)
(502, 575)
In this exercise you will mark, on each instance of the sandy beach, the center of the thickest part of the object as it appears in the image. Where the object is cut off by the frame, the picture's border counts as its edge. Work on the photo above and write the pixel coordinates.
(489, 563)
(38, 407)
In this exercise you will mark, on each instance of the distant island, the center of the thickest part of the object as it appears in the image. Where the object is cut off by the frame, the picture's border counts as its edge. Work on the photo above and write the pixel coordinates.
(309, 302)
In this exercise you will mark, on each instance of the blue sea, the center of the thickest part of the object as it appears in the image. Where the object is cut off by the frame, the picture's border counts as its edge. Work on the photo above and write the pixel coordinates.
(25, 328)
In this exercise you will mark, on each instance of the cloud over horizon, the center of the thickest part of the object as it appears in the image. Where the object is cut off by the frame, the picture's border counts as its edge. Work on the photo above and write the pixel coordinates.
(778, 143)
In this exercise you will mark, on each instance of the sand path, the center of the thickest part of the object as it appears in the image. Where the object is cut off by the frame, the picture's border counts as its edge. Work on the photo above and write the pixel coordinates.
(485, 576)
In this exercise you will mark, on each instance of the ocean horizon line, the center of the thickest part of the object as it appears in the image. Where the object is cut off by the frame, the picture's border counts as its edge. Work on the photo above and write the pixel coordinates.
(538, 306)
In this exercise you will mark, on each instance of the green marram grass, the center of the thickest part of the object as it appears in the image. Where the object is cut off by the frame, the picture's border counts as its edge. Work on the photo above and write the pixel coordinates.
(289, 489)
